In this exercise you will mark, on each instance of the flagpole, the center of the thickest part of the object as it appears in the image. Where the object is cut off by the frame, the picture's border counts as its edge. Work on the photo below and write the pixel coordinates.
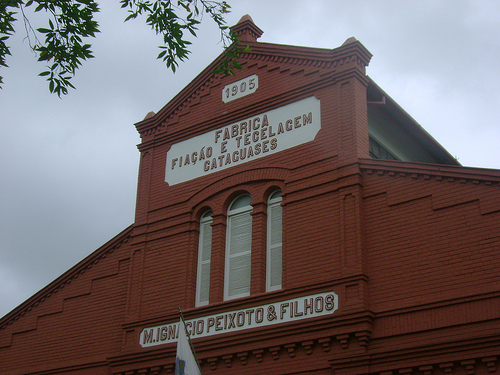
(189, 340)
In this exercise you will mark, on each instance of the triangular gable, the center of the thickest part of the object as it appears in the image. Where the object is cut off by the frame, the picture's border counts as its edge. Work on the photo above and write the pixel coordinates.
(304, 64)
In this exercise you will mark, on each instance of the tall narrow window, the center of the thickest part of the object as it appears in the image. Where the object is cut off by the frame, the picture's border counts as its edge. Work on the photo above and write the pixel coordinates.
(238, 248)
(204, 256)
(274, 242)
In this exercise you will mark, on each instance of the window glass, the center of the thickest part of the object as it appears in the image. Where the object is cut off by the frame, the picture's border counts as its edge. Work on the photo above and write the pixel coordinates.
(241, 202)
(274, 242)
(377, 151)
(238, 248)
(204, 257)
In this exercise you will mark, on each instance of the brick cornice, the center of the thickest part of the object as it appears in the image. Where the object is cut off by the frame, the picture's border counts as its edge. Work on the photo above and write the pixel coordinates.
(427, 360)
(439, 172)
(354, 333)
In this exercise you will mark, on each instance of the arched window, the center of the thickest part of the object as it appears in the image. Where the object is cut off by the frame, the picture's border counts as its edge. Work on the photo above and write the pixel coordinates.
(274, 242)
(238, 248)
(204, 257)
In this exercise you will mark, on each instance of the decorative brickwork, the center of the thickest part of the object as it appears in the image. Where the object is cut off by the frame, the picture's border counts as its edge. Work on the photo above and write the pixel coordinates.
(386, 267)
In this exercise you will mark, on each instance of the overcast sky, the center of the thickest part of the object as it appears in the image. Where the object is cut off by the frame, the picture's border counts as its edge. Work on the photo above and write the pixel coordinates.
(69, 166)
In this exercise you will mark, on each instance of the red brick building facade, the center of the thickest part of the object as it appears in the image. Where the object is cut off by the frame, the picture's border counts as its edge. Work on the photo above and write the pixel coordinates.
(302, 221)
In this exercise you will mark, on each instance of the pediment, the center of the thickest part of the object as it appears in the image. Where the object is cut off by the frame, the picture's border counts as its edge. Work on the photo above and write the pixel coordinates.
(281, 70)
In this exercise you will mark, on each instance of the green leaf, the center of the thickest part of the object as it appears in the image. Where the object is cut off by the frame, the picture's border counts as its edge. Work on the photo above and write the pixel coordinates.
(130, 17)
(65, 47)
(161, 54)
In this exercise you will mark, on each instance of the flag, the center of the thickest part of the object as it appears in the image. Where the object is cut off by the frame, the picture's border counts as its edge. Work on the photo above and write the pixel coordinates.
(185, 361)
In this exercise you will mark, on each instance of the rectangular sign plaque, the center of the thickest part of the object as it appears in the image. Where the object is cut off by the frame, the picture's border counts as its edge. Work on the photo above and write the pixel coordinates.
(243, 141)
(260, 316)
(240, 89)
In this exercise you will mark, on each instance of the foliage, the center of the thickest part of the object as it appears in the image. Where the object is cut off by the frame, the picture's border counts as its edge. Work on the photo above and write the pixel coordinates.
(72, 22)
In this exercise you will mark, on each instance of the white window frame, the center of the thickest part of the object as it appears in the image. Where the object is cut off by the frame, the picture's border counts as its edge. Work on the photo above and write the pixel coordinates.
(273, 263)
(234, 214)
(203, 285)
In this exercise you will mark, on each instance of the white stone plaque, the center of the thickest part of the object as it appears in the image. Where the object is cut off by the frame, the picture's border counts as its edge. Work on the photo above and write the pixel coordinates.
(290, 310)
(244, 141)
(241, 88)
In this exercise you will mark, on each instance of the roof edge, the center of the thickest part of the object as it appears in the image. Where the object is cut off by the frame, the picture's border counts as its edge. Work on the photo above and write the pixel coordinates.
(66, 277)
(411, 124)
(461, 173)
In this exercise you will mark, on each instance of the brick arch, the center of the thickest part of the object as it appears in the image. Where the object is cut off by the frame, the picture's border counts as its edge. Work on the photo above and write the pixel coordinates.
(238, 181)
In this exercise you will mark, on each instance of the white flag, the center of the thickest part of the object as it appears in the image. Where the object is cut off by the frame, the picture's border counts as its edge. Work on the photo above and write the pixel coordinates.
(185, 361)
